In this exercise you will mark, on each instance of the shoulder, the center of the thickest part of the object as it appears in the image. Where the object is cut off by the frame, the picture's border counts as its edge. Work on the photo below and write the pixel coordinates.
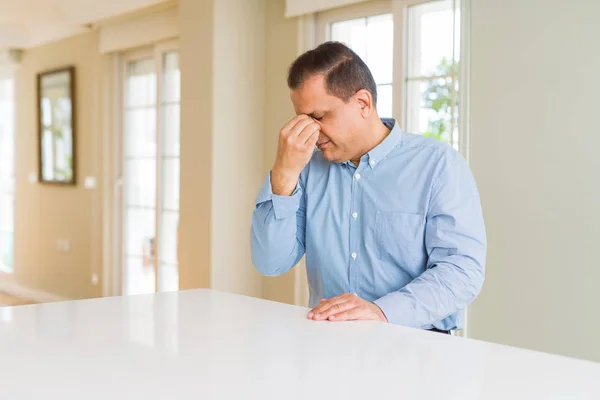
(435, 151)
(431, 157)
(412, 141)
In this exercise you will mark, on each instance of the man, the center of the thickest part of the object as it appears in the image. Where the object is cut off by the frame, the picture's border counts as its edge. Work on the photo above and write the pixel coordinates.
(390, 222)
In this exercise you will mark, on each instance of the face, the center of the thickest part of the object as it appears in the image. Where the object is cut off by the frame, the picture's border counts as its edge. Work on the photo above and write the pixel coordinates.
(341, 122)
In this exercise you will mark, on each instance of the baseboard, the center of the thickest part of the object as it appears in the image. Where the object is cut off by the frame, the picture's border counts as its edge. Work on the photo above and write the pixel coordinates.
(38, 296)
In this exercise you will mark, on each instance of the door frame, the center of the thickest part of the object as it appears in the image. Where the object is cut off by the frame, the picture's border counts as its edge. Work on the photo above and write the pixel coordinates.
(115, 273)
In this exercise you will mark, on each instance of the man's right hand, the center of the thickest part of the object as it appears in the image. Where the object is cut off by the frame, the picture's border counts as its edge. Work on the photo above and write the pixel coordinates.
(297, 140)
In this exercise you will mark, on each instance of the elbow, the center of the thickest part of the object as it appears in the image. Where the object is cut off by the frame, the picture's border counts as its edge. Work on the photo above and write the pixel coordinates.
(259, 252)
(270, 255)
(265, 267)
(474, 284)
(263, 260)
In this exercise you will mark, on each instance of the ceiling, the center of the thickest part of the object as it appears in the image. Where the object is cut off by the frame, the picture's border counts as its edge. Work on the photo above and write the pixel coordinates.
(28, 23)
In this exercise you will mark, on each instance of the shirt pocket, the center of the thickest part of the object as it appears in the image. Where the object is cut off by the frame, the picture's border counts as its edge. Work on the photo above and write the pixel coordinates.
(400, 238)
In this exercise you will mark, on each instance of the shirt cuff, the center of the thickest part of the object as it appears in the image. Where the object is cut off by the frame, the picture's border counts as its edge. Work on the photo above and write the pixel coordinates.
(398, 309)
(283, 206)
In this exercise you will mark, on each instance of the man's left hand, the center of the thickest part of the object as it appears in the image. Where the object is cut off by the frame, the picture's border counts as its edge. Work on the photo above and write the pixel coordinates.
(346, 307)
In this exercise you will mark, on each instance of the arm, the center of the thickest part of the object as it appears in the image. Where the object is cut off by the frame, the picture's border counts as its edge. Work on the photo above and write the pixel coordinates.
(455, 239)
(278, 230)
(278, 222)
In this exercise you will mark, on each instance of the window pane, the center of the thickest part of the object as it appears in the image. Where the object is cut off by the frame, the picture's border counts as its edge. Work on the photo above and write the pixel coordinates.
(139, 276)
(455, 116)
(170, 129)
(380, 47)
(169, 239)
(372, 39)
(140, 132)
(384, 101)
(168, 274)
(430, 38)
(433, 50)
(171, 77)
(7, 250)
(457, 32)
(139, 168)
(7, 212)
(7, 173)
(170, 184)
(140, 182)
(140, 86)
(139, 234)
(353, 33)
(430, 108)
(168, 278)
(143, 158)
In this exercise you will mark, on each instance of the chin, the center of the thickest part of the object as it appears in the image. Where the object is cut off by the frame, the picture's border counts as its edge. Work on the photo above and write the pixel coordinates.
(331, 155)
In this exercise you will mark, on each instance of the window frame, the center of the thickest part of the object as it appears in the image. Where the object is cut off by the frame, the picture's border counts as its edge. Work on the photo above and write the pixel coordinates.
(156, 53)
(8, 73)
(399, 11)
(454, 75)
(361, 10)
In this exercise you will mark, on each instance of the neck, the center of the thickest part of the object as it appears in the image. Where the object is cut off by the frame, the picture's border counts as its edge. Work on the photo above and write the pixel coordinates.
(374, 135)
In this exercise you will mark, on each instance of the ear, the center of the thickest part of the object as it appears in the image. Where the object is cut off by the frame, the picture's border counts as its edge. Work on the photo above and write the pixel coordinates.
(365, 102)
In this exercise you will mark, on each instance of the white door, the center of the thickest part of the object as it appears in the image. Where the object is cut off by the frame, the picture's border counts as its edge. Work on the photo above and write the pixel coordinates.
(150, 170)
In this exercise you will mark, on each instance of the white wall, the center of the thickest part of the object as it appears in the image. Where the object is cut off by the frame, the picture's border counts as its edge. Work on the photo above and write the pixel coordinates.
(196, 24)
(535, 155)
(238, 137)
(46, 213)
(281, 50)
(222, 45)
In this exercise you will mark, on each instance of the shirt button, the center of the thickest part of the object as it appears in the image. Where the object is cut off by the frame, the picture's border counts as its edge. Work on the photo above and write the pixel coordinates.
(372, 162)
(357, 176)
(354, 256)
(354, 215)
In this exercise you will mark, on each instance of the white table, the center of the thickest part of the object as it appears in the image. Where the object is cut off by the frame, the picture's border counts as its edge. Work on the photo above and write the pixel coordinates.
(204, 344)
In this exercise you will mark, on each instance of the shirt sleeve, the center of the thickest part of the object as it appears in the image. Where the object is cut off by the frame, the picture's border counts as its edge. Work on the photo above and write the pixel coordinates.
(455, 239)
(278, 230)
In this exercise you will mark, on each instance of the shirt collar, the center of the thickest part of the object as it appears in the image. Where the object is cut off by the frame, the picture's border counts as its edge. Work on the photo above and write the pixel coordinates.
(383, 149)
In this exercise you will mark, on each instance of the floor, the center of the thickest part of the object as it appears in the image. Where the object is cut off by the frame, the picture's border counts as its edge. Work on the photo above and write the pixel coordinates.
(8, 300)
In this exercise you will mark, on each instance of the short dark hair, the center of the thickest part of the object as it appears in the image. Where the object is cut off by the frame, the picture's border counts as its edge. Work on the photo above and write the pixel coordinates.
(345, 72)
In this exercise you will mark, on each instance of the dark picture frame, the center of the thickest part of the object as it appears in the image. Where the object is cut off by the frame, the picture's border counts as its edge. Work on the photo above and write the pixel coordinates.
(56, 105)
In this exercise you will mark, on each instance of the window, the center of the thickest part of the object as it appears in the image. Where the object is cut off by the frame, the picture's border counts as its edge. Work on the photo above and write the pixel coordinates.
(372, 39)
(150, 170)
(7, 173)
(370, 33)
(412, 47)
(432, 85)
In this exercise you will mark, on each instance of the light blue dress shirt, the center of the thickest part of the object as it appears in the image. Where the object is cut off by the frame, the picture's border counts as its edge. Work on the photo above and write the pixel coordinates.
(404, 230)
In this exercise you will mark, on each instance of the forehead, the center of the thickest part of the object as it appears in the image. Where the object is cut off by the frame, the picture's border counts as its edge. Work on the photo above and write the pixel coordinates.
(312, 96)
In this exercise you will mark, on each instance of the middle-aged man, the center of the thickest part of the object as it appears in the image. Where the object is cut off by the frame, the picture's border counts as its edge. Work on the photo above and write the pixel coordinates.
(390, 222)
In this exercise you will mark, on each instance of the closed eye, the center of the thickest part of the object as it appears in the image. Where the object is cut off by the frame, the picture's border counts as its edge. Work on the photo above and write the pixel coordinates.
(316, 118)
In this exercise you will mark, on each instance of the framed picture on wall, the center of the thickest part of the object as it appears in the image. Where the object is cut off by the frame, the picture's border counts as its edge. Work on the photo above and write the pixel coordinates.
(56, 122)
